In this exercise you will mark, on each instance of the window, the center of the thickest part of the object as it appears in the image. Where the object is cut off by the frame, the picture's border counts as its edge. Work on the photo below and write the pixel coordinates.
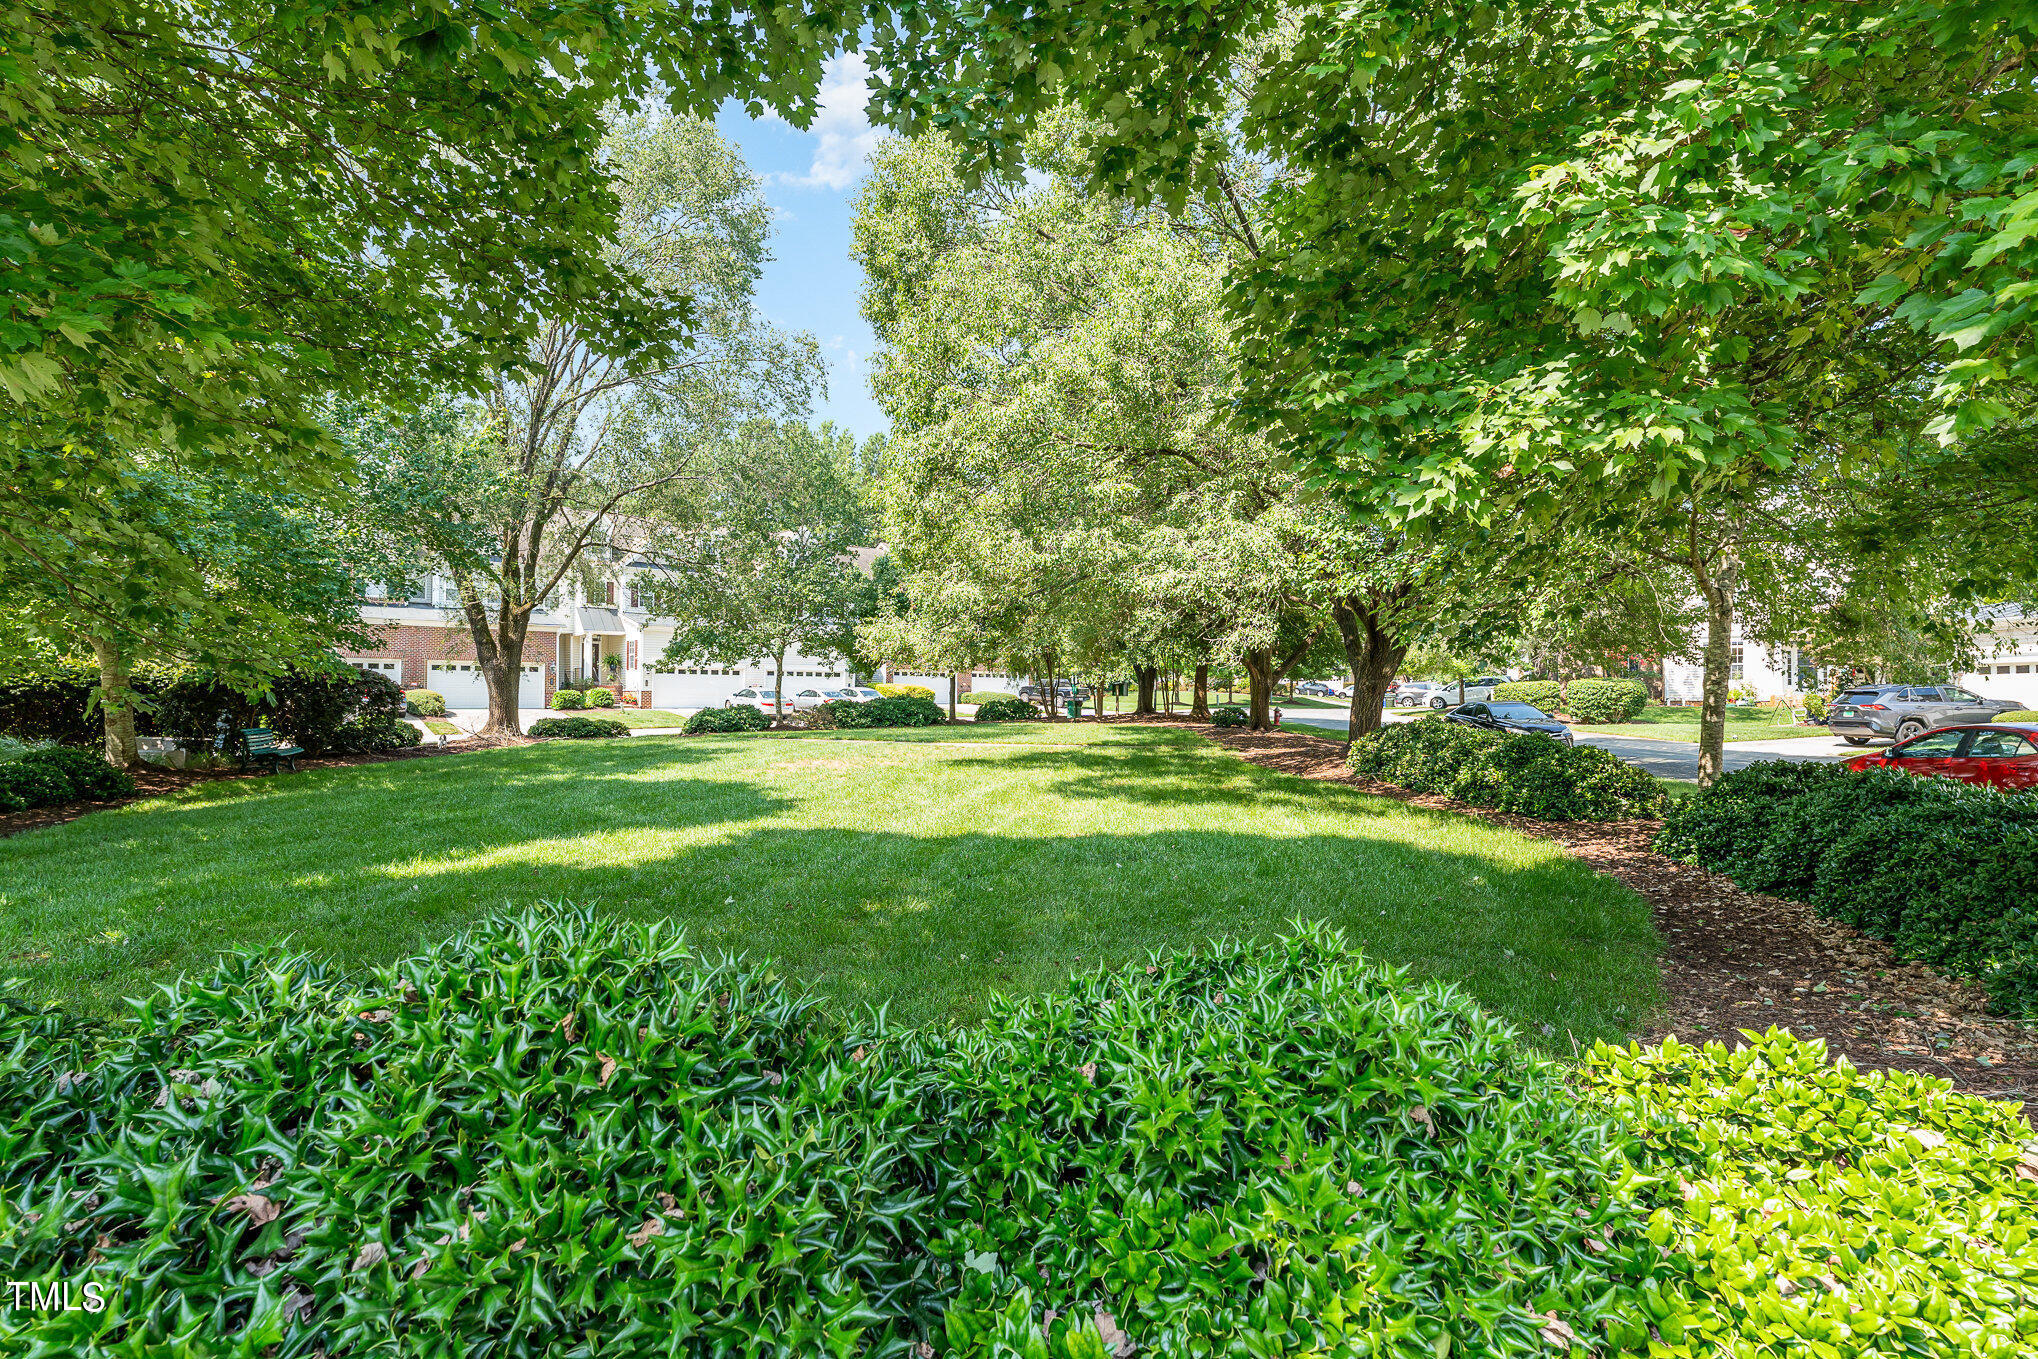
(1937, 745)
(1734, 662)
(393, 669)
(1961, 696)
(608, 592)
(636, 600)
(2000, 745)
(2023, 669)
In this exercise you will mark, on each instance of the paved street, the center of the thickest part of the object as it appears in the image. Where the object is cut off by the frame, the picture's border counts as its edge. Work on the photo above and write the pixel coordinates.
(1666, 759)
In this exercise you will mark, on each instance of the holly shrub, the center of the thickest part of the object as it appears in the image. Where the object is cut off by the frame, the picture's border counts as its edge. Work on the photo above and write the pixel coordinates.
(1006, 709)
(745, 718)
(1823, 1210)
(913, 711)
(1524, 773)
(1941, 870)
(579, 728)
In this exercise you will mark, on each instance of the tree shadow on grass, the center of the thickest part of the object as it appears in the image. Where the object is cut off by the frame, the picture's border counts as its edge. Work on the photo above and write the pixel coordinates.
(932, 925)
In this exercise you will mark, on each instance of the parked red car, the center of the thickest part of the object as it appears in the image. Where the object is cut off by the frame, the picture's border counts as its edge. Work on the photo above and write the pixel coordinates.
(2003, 755)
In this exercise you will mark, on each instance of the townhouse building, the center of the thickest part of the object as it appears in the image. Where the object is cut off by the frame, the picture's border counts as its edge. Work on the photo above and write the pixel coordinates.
(602, 634)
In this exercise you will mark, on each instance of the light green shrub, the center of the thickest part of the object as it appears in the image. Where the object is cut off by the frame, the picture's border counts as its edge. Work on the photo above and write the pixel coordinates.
(1544, 694)
(425, 702)
(568, 700)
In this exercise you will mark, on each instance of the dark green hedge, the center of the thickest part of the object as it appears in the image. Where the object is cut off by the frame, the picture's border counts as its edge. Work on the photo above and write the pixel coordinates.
(326, 712)
(745, 718)
(1231, 715)
(1941, 870)
(1006, 708)
(1531, 775)
(51, 775)
(911, 711)
(578, 728)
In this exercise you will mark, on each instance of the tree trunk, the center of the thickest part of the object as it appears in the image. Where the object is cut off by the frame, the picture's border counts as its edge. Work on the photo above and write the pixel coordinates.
(116, 705)
(778, 690)
(1259, 673)
(1097, 696)
(1718, 593)
(502, 668)
(1146, 675)
(954, 683)
(1373, 657)
(1199, 707)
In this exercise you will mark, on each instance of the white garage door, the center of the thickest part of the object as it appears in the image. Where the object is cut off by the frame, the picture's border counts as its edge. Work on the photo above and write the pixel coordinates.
(682, 690)
(462, 684)
(393, 669)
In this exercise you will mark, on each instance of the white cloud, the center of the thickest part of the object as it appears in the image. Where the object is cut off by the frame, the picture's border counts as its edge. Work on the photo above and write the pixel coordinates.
(843, 137)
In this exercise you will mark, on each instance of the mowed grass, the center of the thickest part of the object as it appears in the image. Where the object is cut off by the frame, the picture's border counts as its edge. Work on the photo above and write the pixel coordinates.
(923, 870)
(1681, 724)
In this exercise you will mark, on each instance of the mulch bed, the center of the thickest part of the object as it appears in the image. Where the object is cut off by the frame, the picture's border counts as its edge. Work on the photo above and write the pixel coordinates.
(1736, 960)
(155, 780)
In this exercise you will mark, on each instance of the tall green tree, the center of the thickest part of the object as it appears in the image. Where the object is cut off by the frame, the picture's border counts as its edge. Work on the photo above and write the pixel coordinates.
(770, 564)
(243, 581)
(215, 215)
(1594, 270)
(579, 454)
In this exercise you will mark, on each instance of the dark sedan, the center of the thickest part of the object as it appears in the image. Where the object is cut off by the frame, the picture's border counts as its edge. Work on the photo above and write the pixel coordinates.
(1509, 717)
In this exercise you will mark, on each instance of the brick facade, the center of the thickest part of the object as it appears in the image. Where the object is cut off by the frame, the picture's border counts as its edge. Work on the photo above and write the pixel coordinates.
(417, 644)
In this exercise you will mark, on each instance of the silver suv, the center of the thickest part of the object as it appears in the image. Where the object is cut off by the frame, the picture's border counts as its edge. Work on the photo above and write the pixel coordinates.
(1901, 711)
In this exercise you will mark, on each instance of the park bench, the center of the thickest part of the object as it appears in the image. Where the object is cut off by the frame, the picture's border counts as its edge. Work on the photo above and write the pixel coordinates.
(259, 746)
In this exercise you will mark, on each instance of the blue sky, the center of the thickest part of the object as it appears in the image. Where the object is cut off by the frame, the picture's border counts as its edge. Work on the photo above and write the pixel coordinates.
(811, 283)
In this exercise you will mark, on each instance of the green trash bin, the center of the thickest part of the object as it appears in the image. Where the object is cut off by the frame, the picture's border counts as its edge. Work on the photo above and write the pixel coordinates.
(1075, 707)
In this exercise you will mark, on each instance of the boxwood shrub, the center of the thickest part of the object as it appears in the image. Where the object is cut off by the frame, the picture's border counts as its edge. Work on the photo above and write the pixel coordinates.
(709, 720)
(1006, 708)
(1827, 1211)
(374, 734)
(1545, 694)
(578, 728)
(1531, 775)
(49, 775)
(568, 700)
(1230, 715)
(2020, 715)
(425, 702)
(1941, 870)
(1605, 700)
(598, 697)
(905, 691)
(886, 712)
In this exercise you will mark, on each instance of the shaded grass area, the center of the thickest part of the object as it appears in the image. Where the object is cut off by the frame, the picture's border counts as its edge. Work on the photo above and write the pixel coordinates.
(919, 869)
(1681, 724)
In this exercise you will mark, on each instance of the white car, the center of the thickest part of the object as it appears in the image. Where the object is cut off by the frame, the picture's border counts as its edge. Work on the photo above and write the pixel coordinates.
(814, 698)
(753, 696)
(860, 695)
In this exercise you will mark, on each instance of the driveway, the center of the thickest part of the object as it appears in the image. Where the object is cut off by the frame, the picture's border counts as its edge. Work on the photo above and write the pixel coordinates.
(1665, 759)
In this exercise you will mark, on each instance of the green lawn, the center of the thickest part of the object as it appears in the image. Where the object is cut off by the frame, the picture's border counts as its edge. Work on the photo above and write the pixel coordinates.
(1681, 724)
(634, 718)
(922, 869)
